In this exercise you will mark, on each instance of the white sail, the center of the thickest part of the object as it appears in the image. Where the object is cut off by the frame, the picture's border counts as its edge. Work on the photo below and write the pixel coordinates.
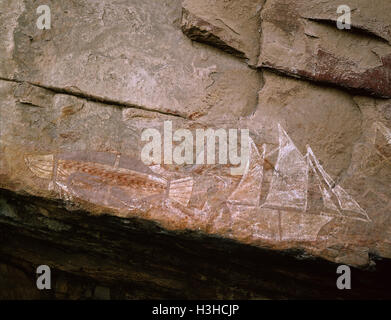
(326, 195)
(345, 201)
(327, 199)
(248, 191)
(290, 179)
(384, 130)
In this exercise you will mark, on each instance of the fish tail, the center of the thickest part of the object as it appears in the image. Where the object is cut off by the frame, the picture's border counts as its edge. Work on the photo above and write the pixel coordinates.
(40, 165)
(180, 190)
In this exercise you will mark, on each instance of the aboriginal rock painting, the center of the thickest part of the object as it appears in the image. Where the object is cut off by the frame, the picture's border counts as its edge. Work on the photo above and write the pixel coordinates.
(384, 131)
(291, 178)
(123, 183)
(108, 180)
(382, 140)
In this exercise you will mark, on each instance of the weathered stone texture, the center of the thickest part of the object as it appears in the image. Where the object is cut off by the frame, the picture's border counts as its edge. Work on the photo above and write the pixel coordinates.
(130, 53)
(296, 41)
(232, 26)
(367, 16)
(75, 100)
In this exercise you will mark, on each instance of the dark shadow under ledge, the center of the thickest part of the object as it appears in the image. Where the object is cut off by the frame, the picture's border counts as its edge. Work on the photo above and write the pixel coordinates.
(107, 257)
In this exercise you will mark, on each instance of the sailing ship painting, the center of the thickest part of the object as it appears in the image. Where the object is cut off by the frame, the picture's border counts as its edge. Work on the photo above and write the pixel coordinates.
(286, 203)
(124, 183)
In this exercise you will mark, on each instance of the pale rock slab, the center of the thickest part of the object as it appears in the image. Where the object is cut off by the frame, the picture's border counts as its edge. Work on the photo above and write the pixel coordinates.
(301, 38)
(75, 99)
(130, 53)
(85, 146)
(10, 10)
(367, 16)
(233, 26)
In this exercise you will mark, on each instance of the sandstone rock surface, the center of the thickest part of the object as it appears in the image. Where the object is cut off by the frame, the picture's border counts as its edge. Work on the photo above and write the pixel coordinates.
(233, 26)
(75, 101)
(300, 38)
(128, 53)
(366, 16)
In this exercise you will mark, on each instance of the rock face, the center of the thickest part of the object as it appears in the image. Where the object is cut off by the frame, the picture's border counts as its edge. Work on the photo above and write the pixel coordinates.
(76, 103)
(123, 55)
(366, 17)
(233, 26)
(300, 38)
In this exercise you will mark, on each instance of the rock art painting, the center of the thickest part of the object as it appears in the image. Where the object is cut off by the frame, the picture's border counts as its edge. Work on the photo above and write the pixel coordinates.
(123, 183)
(384, 131)
(171, 145)
(100, 179)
